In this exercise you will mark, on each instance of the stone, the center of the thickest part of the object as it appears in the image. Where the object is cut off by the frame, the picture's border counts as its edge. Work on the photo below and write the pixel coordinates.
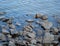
(30, 20)
(2, 13)
(12, 26)
(4, 30)
(20, 33)
(1, 44)
(39, 45)
(39, 40)
(33, 41)
(9, 21)
(1, 17)
(32, 45)
(38, 15)
(18, 24)
(44, 17)
(5, 19)
(48, 38)
(46, 25)
(11, 43)
(27, 28)
(31, 35)
(54, 30)
(2, 37)
(39, 32)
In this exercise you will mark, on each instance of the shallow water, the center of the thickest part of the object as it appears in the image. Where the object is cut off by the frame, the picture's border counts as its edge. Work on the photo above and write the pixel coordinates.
(19, 8)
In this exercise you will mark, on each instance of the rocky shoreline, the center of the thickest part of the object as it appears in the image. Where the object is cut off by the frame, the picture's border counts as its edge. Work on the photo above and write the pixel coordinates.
(10, 36)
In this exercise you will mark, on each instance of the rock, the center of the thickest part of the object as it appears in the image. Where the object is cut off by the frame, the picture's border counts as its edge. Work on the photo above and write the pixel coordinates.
(54, 30)
(46, 25)
(5, 20)
(31, 45)
(1, 44)
(39, 45)
(2, 37)
(12, 26)
(4, 30)
(18, 24)
(20, 33)
(11, 43)
(27, 28)
(38, 15)
(33, 41)
(29, 20)
(9, 21)
(39, 40)
(48, 38)
(2, 13)
(39, 32)
(31, 35)
(1, 17)
(44, 17)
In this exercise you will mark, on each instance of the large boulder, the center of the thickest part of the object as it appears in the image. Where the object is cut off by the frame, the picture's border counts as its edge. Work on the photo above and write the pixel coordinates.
(2, 13)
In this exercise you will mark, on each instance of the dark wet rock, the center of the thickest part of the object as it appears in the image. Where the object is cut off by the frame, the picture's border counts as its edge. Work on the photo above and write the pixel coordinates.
(44, 17)
(14, 33)
(46, 25)
(59, 39)
(5, 20)
(2, 13)
(38, 15)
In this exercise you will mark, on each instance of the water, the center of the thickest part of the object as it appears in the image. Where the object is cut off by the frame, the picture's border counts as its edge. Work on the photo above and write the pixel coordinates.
(19, 8)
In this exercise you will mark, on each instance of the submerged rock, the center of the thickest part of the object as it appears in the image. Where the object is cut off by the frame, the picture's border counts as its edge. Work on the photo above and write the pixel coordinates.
(2, 13)
(44, 17)
(29, 20)
(18, 24)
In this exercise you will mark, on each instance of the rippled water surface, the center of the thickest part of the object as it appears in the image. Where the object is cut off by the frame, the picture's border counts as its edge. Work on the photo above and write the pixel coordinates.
(19, 7)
